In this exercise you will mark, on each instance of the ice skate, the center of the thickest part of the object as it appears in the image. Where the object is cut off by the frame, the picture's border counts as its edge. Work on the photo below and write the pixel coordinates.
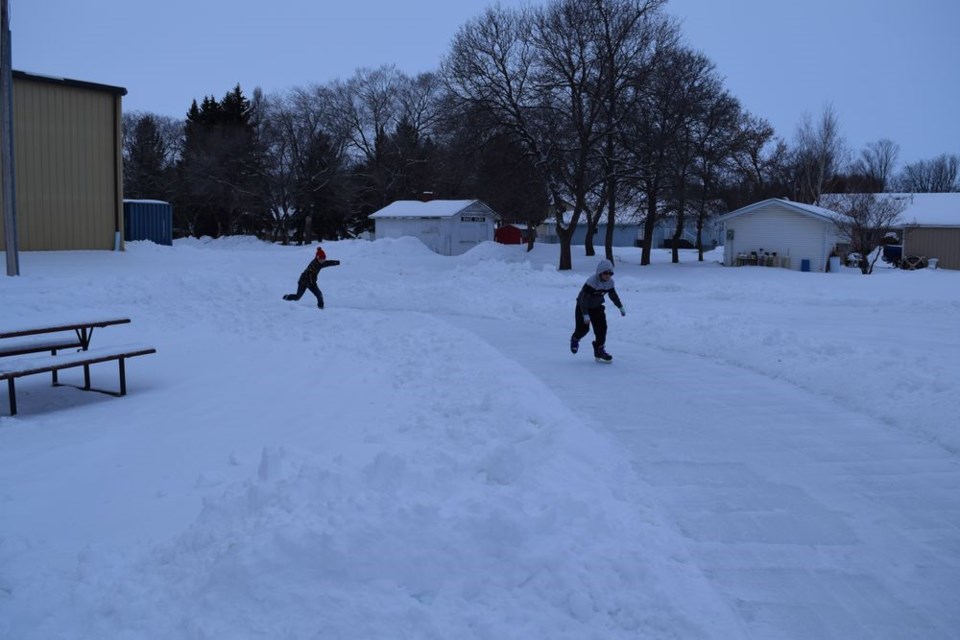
(600, 354)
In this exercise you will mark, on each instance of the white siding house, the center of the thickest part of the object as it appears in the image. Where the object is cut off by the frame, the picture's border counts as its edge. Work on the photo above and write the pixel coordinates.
(796, 232)
(628, 232)
(448, 227)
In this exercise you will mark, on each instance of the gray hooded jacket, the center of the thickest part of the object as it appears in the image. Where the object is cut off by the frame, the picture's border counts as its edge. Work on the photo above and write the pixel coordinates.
(594, 289)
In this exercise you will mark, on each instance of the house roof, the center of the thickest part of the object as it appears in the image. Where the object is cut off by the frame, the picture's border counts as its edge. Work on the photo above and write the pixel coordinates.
(929, 209)
(813, 211)
(420, 209)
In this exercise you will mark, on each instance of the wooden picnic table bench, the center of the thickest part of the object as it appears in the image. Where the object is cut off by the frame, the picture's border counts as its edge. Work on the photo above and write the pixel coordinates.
(78, 334)
(52, 337)
(15, 368)
(34, 340)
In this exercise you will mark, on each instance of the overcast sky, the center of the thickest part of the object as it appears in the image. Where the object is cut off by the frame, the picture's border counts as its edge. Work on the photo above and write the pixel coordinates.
(889, 69)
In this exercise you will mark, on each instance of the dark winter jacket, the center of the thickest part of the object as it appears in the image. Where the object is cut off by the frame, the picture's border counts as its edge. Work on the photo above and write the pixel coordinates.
(594, 289)
(309, 275)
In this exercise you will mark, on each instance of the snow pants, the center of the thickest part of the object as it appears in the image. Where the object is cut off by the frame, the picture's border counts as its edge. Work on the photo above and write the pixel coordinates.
(302, 286)
(598, 318)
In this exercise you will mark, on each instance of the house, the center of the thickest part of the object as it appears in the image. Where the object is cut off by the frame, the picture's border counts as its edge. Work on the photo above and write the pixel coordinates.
(448, 227)
(625, 233)
(628, 232)
(664, 228)
(930, 226)
(779, 232)
(68, 164)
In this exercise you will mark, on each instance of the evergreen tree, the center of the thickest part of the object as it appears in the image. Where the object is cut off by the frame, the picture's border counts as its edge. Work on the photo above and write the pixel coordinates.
(221, 172)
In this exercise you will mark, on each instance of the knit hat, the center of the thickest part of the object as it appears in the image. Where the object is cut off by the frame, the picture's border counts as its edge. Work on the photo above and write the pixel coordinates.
(320, 254)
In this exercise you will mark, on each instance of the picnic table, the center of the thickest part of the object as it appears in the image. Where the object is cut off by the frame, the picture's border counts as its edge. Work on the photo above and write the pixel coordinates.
(61, 336)
(24, 339)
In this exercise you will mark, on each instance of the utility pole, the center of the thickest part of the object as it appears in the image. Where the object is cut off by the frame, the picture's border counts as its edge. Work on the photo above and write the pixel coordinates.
(6, 144)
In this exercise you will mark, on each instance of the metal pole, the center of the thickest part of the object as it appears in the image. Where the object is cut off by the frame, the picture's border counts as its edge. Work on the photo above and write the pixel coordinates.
(11, 245)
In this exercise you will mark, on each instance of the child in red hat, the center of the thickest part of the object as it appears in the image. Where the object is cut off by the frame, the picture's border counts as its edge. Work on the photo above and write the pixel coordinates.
(308, 279)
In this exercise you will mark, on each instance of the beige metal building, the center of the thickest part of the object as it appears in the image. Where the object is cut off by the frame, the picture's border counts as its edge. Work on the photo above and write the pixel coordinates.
(931, 227)
(68, 163)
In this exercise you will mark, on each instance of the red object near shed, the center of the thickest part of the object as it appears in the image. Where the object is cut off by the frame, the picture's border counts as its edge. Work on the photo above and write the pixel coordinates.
(510, 234)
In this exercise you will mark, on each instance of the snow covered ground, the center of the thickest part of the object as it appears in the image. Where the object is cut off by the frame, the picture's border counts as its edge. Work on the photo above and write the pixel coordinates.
(772, 454)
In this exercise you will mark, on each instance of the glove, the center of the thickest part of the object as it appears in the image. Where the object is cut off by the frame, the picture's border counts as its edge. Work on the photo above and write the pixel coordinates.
(623, 312)
(586, 319)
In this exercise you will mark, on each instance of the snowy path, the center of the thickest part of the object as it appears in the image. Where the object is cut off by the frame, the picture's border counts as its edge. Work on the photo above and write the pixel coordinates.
(854, 540)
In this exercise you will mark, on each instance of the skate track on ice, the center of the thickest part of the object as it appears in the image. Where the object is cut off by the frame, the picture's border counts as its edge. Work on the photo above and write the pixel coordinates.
(774, 508)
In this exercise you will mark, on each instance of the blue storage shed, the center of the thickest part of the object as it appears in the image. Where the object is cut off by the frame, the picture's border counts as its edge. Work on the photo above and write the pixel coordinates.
(148, 220)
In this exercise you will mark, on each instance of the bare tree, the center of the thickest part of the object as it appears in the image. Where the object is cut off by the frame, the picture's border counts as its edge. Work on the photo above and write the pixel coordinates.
(419, 100)
(495, 67)
(656, 141)
(876, 164)
(368, 105)
(864, 220)
(151, 147)
(627, 35)
(545, 76)
(757, 162)
(279, 132)
(716, 137)
(939, 175)
(570, 68)
(820, 152)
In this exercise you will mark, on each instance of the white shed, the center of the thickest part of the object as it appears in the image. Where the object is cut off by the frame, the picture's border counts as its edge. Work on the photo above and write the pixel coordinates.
(799, 234)
(448, 227)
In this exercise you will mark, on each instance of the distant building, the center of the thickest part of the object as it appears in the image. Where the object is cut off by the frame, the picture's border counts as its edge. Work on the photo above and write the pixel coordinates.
(628, 232)
(68, 163)
(779, 232)
(930, 225)
(448, 227)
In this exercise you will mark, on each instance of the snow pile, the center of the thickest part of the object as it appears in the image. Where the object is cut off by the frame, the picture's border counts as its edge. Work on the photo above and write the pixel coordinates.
(426, 459)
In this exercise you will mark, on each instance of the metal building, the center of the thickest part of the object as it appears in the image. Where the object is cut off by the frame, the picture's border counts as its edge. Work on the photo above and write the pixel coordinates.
(931, 227)
(148, 220)
(68, 164)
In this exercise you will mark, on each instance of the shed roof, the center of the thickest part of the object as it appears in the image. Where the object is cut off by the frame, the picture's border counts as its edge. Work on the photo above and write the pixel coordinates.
(420, 209)
(813, 211)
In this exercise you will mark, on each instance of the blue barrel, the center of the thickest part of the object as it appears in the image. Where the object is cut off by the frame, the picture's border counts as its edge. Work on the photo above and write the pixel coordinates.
(805, 264)
(148, 220)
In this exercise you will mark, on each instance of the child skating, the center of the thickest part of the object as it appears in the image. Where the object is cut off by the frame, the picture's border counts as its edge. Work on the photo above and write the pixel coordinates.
(590, 310)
